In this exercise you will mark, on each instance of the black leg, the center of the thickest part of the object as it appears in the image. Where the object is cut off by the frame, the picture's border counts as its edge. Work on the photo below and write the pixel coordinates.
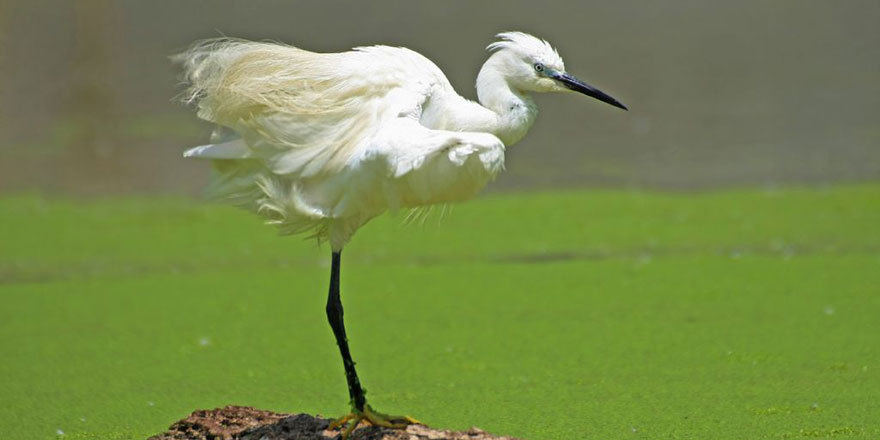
(334, 315)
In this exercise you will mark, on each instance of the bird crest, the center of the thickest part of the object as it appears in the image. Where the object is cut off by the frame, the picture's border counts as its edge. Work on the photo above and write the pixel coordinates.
(528, 46)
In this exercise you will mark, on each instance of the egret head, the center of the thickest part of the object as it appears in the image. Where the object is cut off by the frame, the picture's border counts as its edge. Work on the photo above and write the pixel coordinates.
(531, 64)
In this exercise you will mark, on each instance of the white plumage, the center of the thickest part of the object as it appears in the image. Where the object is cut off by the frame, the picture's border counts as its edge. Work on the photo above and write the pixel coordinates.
(323, 143)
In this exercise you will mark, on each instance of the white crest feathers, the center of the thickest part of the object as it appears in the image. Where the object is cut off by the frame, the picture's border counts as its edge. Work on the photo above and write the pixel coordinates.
(526, 44)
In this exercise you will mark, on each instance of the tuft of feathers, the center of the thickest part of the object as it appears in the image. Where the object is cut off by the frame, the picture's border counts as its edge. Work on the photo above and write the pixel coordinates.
(300, 111)
(526, 44)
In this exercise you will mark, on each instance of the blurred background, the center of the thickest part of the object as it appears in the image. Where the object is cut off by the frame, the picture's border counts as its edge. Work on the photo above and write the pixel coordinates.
(747, 93)
(693, 313)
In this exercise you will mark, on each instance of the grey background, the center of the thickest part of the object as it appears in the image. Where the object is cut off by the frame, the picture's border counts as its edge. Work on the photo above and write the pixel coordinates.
(743, 93)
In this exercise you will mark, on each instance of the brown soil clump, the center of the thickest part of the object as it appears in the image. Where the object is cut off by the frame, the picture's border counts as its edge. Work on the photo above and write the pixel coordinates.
(246, 423)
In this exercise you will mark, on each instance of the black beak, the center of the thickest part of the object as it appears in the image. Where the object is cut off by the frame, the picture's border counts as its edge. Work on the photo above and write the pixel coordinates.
(577, 85)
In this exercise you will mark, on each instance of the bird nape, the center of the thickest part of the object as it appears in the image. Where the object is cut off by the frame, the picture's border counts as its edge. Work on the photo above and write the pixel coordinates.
(320, 143)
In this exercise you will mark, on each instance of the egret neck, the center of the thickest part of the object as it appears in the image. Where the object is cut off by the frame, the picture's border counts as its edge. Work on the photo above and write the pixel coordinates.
(514, 110)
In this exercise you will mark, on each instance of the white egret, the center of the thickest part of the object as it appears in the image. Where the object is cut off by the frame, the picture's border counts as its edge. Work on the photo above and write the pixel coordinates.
(321, 143)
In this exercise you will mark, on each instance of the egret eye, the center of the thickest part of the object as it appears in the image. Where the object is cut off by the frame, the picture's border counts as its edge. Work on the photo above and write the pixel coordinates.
(539, 67)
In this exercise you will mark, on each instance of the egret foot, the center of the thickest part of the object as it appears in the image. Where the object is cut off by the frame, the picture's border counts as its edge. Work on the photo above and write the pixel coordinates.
(372, 417)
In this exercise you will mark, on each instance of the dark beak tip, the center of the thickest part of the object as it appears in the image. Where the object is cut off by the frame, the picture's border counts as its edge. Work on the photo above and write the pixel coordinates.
(577, 85)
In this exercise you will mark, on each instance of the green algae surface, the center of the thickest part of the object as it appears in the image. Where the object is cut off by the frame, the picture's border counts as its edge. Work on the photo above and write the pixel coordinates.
(745, 314)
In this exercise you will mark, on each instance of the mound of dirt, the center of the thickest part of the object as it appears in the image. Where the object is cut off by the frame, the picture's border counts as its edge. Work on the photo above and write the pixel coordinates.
(246, 423)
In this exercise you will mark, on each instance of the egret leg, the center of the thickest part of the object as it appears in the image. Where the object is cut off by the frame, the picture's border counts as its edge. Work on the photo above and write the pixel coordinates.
(360, 410)
(334, 315)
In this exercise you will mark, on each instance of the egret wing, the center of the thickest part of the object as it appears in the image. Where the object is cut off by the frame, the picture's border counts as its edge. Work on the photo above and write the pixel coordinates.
(304, 113)
(428, 166)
